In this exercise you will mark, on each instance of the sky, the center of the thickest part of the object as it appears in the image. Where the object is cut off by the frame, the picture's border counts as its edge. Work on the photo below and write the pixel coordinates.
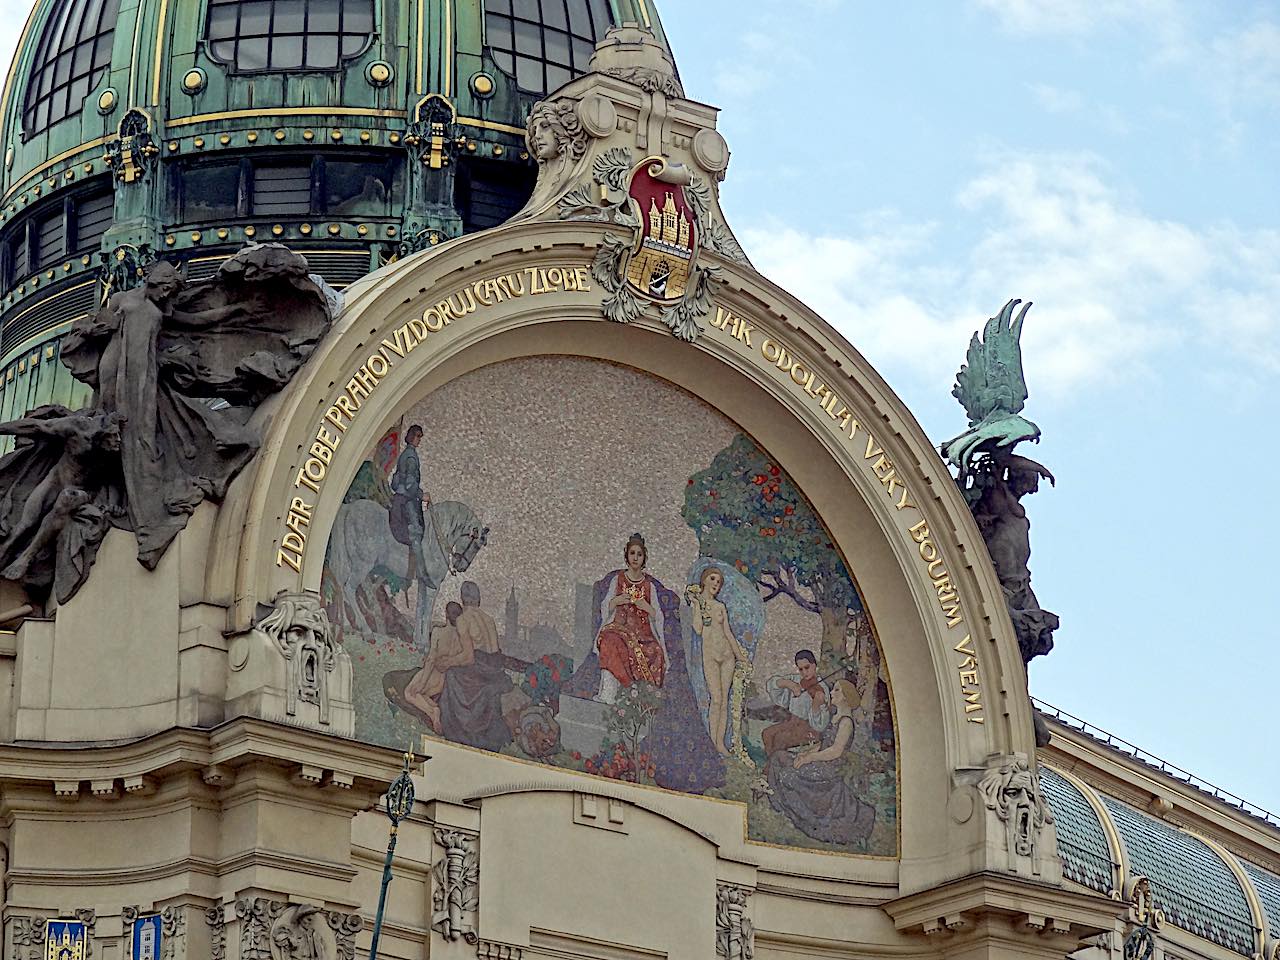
(905, 168)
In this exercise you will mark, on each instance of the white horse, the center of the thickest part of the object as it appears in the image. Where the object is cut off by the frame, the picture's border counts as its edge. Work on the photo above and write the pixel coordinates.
(362, 541)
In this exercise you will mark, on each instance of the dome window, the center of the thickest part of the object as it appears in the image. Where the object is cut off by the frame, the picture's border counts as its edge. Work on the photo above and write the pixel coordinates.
(544, 43)
(73, 55)
(253, 36)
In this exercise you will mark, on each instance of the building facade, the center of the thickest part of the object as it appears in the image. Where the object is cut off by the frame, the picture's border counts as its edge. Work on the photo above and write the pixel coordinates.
(694, 645)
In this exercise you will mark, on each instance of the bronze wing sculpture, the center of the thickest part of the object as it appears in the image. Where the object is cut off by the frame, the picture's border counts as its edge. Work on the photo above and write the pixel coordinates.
(991, 388)
(177, 369)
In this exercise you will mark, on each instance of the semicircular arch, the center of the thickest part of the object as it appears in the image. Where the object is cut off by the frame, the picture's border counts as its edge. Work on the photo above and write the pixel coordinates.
(861, 458)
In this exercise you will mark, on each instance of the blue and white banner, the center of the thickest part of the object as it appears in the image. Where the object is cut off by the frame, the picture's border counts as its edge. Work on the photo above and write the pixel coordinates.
(146, 938)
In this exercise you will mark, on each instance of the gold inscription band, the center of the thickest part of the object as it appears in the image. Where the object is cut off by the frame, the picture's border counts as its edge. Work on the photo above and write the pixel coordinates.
(826, 397)
(394, 347)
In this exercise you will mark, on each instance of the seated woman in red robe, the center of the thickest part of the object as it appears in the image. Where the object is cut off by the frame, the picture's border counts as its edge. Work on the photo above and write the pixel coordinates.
(630, 637)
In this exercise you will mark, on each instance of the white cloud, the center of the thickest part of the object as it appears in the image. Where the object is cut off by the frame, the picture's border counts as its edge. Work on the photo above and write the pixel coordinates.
(1072, 16)
(1248, 60)
(1056, 99)
(1113, 286)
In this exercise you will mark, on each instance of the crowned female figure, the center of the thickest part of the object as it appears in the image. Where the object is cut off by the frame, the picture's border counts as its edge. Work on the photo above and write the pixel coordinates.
(629, 642)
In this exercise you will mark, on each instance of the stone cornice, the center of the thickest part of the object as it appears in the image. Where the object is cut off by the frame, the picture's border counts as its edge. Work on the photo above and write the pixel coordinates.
(199, 866)
(984, 904)
(137, 766)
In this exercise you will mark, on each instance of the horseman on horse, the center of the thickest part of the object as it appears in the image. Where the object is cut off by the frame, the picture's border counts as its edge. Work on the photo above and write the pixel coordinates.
(407, 501)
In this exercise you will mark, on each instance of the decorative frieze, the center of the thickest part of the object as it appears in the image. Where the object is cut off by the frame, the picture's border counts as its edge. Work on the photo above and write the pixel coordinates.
(455, 886)
(257, 916)
(278, 930)
(27, 937)
(215, 917)
(735, 936)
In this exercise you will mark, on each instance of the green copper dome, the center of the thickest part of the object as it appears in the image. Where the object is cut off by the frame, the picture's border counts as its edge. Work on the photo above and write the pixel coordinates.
(355, 131)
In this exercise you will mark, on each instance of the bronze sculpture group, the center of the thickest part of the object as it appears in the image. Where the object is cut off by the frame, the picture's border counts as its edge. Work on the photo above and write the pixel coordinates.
(178, 369)
(992, 389)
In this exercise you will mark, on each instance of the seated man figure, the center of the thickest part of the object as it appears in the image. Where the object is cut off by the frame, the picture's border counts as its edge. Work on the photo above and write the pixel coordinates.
(449, 648)
(805, 698)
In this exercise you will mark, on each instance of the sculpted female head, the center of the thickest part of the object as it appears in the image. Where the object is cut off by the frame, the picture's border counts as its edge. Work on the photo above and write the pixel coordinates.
(554, 129)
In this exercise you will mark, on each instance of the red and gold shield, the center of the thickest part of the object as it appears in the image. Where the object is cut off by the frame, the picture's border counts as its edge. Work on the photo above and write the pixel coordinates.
(667, 241)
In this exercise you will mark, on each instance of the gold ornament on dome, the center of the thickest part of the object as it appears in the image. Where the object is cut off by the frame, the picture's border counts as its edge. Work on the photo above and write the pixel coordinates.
(194, 81)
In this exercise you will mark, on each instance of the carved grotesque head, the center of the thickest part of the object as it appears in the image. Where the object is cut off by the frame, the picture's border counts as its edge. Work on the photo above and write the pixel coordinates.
(554, 130)
(298, 619)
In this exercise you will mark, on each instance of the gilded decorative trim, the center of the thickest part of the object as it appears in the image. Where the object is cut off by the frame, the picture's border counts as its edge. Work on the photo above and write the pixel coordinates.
(448, 48)
(155, 83)
(57, 296)
(13, 67)
(644, 13)
(286, 112)
(1119, 856)
(491, 125)
(422, 26)
(43, 169)
(36, 339)
(133, 60)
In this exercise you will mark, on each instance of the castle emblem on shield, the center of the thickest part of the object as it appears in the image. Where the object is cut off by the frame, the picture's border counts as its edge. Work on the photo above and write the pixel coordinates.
(668, 208)
(66, 940)
(663, 258)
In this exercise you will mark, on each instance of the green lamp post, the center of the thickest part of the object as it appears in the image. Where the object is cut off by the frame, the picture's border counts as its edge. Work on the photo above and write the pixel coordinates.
(399, 803)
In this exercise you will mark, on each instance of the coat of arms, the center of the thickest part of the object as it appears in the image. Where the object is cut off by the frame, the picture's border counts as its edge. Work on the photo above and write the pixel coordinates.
(664, 251)
(66, 940)
(660, 264)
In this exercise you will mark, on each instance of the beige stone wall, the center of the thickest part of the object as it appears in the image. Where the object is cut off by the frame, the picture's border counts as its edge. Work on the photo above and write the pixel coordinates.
(163, 758)
(199, 792)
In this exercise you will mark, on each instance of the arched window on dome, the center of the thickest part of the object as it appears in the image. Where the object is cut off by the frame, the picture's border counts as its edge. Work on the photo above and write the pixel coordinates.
(254, 36)
(70, 60)
(544, 43)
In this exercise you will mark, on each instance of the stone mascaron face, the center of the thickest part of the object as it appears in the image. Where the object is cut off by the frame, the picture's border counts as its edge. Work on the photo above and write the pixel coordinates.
(617, 581)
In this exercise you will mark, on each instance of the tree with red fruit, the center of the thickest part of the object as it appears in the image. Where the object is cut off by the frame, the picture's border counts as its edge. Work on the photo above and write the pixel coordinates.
(747, 511)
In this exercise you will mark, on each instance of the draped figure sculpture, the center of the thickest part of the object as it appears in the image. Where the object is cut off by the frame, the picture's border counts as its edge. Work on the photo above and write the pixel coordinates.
(178, 370)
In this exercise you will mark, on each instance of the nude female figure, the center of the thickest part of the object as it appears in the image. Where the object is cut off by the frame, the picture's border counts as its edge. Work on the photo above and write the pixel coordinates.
(721, 651)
